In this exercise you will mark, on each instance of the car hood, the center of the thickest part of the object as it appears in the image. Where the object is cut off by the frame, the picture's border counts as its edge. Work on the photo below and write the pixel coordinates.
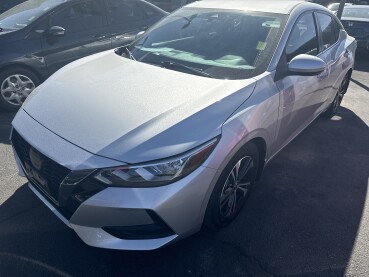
(131, 111)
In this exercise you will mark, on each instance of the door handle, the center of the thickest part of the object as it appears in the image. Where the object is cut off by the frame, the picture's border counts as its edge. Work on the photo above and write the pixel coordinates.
(347, 54)
(144, 28)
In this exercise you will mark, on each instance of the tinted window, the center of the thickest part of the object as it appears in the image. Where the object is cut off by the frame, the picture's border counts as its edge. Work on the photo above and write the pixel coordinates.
(9, 4)
(149, 11)
(121, 11)
(327, 27)
(225, 44)
(167, 5)
(22, 15)
(79, 17)
(303, 38)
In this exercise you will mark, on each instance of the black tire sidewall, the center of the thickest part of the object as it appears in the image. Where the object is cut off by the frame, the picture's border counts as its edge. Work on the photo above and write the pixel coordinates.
(4, 105)
(330, 112)
(213, 219)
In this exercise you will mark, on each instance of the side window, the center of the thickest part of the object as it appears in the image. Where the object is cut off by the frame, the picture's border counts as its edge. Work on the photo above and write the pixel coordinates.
(150, 12)
(303, 38)
(39, 28)
(121, 11)
(79, 17)
(328, 30)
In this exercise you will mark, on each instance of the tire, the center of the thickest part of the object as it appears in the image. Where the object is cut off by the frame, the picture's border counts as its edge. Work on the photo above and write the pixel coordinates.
(224, 206)
(332, 109)
(16, 84)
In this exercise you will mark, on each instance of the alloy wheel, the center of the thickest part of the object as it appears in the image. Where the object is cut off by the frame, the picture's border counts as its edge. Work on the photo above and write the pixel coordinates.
(340, 93)
(236, 187)
(16, 88)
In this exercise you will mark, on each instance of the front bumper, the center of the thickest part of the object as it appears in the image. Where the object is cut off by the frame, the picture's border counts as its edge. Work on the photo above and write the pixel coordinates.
(179, 208)
(97, 237)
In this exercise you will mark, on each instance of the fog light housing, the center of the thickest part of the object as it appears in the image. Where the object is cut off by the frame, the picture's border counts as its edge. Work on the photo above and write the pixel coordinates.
(157, 229)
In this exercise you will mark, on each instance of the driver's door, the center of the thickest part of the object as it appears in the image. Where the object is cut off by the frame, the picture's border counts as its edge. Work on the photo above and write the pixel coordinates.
(85, 28)
(300, 96)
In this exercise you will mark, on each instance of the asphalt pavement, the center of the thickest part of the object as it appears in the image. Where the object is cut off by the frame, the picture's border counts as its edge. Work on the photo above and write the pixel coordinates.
(308, 216)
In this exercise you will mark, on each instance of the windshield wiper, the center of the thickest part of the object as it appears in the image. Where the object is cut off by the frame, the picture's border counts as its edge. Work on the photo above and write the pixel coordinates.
(169, 65)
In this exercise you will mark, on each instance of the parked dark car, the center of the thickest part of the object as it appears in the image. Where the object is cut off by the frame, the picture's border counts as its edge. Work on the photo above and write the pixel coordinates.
(355, 19)
(8, 4)
(170, 5)
(38, 37)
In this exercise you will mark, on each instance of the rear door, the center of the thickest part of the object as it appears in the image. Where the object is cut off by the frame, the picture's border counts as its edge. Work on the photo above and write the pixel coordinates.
(334, 52)
(85, 28)
(300, 96)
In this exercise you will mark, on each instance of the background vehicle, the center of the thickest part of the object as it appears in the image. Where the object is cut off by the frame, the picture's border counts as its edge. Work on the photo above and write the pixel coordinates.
(8, 4)
(38, 37)
(326, 3)
(170, 5)
(334, 6)
(143, 145)
(355, 19)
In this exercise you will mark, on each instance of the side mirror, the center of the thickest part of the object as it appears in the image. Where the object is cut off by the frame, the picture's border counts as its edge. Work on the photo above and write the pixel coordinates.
(306, 65)
(56, 31)
(139, 34)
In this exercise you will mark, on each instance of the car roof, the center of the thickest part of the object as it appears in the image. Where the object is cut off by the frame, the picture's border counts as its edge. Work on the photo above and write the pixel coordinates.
(274, 6)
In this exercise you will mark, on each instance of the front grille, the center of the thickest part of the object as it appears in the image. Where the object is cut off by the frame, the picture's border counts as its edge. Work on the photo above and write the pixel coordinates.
(41, 171)
(47, 176)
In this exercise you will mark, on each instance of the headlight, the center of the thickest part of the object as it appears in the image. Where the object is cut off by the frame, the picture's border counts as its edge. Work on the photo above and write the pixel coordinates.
(158, 173)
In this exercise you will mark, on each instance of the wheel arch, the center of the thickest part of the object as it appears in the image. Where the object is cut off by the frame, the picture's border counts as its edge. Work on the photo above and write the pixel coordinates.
(259, 138)
(262, 149)
(260, 143)
(23, 66)
(349, 72)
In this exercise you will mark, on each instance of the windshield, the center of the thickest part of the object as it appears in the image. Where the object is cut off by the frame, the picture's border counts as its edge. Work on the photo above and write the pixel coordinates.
(223, 44)
(23, 14)
(359, 12)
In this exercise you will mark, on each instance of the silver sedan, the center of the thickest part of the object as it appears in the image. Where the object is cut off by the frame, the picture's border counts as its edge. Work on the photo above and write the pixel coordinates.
(139, 147)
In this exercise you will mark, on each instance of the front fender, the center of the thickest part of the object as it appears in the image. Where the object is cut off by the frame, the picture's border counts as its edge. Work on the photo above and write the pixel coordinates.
(257, 117)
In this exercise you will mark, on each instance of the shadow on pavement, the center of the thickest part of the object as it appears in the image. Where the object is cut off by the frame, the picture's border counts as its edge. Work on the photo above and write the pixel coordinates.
(360, 84)
(301, 219)
(5, 126)
(360, 70)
